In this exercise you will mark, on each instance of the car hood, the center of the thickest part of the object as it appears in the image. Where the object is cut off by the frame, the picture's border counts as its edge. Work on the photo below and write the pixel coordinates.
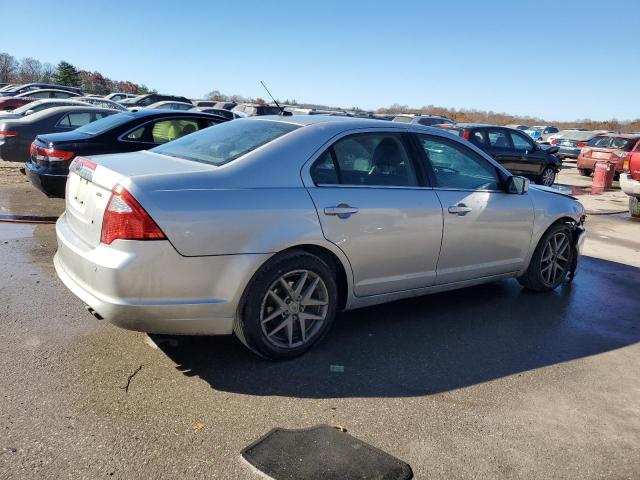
(555, 191)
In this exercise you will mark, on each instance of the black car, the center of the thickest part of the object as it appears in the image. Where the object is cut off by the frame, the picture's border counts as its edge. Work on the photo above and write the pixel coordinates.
(512, 149)
(17, 134)
(51, 155)
(150, 98)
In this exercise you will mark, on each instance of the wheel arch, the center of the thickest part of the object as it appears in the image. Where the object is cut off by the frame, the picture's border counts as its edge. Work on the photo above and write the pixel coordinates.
(566, 219)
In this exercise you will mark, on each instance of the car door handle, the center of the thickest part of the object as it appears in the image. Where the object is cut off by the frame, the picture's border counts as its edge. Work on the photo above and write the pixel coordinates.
(461, 209)
(343, 210)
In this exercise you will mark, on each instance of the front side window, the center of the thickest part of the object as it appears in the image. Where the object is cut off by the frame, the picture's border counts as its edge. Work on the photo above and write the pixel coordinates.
(368, 159)
(39, 95)
(167, 130)
(60, 95)
(520, 142)
(498, 138)
(457, 167)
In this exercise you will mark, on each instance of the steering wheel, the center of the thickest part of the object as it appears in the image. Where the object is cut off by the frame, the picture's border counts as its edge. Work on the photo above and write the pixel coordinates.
(445, 169)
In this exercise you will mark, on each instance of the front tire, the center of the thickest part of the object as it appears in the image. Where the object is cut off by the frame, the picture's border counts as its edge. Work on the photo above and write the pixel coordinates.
(289, 306)
(634, 207)
(551, 261)
(547, 177)
(584, 172)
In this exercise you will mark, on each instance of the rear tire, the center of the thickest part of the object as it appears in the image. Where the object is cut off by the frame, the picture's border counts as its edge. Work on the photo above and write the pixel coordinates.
(289, 306)
(634, 207)
(584, 172)
(551, 261)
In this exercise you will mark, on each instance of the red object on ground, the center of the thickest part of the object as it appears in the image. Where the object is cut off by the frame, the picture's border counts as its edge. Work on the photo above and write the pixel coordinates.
(603, 174)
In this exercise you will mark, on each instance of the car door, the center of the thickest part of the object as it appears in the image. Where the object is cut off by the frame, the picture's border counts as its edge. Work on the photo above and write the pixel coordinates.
(373, 204)
(502, 150)
(532, 158)
(486, 231)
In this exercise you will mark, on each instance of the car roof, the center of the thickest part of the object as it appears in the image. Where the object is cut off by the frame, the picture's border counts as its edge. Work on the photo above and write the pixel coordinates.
(151, 112)
(56, 110)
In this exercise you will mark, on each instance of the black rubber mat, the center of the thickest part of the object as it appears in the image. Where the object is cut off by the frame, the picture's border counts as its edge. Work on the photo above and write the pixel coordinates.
(322, 453)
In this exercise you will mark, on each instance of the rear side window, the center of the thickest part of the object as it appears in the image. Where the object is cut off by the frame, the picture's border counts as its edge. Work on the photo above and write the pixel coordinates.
(368, 159)
(498, 139)
(75, 120)
(478, 137)
(225, 142)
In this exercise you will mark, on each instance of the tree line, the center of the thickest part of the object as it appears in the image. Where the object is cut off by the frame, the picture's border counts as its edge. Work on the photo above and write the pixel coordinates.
(31, 70)
(494, 118)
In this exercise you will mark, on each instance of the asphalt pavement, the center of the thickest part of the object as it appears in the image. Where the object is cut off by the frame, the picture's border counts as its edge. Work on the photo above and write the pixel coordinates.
(485, 382)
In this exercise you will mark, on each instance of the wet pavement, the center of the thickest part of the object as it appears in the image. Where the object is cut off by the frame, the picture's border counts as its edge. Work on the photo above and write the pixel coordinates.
(489, 381)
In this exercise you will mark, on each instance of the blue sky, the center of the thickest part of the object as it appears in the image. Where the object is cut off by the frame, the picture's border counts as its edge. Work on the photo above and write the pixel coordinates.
(557, 60)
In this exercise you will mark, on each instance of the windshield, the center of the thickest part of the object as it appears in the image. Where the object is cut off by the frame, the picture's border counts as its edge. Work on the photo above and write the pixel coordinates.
(225, 142)
(106, 123)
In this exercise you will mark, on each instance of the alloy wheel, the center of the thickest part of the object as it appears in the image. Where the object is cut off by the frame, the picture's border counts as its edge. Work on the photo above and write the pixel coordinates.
(294, 309)
(548, 177)
(555, 258)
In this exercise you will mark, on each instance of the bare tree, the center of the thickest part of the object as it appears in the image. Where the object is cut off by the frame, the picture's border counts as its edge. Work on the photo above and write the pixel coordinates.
(8, 67)
(30, 70)
(48, 70)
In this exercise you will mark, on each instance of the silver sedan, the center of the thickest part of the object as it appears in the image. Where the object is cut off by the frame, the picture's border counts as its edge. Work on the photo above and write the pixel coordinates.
(268, 227)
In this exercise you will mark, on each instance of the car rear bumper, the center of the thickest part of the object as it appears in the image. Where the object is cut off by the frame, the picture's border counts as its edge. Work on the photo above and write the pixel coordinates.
(568, 152)
(629, 186)
(51, 184)
(590, 163)
(148, 286)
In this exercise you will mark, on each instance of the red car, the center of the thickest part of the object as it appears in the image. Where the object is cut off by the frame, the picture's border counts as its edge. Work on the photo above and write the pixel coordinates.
(630, 180)
(614, 147)
(11, 103)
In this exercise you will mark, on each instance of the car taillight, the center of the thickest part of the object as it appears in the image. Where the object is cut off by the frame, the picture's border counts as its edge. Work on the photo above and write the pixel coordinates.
(554, 141)
(466, 134)
(581, 144)
(7, 133)
(51, 154)
(625, 164)
(125, 219)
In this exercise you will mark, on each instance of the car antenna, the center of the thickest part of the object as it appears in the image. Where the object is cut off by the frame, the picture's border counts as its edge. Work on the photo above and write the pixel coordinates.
(274, 100)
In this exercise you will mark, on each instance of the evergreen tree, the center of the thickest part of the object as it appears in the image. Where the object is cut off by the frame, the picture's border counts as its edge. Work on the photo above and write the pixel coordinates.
(67, 74)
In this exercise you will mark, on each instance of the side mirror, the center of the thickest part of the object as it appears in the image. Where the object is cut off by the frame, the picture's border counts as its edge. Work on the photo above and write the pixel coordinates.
(518, 185)
(28, 112)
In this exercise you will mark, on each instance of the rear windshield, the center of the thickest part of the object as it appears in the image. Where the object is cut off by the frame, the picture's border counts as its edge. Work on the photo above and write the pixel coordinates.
(225, 142)
(106, 123)
(576, 135)
(403, 119)
(613, 142)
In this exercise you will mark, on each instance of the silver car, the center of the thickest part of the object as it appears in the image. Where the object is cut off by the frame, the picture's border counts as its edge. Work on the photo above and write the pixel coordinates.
(269, 226)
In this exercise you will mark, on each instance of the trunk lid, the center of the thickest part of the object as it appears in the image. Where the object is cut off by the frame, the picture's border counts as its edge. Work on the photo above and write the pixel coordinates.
(89, 187)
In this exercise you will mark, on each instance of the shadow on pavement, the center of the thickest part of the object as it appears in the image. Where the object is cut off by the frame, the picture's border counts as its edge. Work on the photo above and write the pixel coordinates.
(435, 343)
